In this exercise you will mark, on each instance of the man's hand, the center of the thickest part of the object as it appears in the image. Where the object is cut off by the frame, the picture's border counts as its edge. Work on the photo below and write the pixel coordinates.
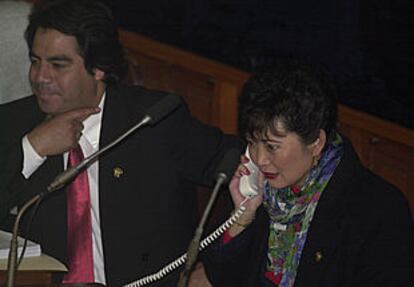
(60, 133)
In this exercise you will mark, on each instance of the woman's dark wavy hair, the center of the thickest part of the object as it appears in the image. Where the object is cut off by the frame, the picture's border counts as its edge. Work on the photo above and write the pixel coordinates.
(94, 28)
(300, 96)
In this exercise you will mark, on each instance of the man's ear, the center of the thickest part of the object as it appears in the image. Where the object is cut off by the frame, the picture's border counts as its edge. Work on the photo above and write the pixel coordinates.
(99, 74)
(318, 145)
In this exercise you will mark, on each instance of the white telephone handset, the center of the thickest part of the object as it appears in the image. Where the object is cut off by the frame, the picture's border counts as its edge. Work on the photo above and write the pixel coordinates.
(249, 184)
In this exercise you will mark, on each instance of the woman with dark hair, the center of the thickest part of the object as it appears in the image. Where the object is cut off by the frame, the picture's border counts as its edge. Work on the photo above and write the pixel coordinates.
(320, 218)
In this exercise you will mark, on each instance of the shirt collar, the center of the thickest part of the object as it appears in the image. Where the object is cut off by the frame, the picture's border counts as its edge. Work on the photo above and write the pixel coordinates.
(92, 125)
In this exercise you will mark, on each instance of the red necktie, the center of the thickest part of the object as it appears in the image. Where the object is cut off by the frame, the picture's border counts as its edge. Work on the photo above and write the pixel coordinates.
(80, 257)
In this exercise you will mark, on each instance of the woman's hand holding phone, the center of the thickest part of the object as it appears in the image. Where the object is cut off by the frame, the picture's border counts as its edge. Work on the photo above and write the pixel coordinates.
(247, 182)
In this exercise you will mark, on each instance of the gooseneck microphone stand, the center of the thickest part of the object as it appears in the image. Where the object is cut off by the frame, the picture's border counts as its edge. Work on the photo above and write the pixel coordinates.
(193, 249)
(12, 259)
(226, 167)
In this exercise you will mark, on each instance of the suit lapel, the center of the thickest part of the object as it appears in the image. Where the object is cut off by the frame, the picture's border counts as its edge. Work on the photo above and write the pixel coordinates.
(114, 119)
(322, 247)
(322, 240)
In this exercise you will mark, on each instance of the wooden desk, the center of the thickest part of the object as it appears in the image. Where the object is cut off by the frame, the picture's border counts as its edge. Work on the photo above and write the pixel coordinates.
(33, 271)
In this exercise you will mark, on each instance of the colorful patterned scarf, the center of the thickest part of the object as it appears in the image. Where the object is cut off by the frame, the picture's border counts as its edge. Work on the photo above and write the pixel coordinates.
(291, 212)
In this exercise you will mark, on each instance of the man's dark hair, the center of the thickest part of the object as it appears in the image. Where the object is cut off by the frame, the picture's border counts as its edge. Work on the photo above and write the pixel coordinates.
(300, 96)
(93, 26)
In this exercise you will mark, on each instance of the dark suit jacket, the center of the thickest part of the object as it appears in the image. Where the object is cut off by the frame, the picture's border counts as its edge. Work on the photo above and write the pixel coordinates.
(362, 234)
(149, 213)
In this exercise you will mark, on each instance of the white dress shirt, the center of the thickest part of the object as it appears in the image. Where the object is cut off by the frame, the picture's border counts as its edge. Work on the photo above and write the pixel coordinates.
(89, 143)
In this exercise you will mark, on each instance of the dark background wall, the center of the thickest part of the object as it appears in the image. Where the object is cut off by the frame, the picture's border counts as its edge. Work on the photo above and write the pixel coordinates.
(368, 45)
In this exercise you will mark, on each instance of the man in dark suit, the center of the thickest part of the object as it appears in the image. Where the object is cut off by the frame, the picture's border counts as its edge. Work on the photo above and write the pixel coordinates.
(141, 193)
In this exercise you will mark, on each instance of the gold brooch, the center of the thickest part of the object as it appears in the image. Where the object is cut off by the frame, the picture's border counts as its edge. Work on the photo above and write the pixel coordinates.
(318, 256)
(118, 172)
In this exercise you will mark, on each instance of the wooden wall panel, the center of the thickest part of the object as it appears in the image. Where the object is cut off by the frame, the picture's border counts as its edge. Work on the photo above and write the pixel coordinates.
(211, 90)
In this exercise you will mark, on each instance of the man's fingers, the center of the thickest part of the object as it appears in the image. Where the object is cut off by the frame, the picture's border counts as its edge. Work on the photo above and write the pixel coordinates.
(82, 113)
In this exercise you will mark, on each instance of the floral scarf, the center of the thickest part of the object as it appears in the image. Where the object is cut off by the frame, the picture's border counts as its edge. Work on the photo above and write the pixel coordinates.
(291, 210)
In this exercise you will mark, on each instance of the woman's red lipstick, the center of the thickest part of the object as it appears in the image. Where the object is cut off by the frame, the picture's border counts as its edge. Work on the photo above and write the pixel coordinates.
(269, 175)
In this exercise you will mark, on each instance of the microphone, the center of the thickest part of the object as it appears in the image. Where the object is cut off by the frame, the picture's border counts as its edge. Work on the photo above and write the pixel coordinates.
(156, 113)
(224, 172)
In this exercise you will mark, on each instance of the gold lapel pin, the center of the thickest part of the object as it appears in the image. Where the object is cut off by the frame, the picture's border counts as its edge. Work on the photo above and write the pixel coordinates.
(118, 172)
(318, 256)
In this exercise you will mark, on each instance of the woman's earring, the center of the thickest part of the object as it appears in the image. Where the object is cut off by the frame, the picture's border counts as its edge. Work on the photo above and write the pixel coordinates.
(315, 161)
